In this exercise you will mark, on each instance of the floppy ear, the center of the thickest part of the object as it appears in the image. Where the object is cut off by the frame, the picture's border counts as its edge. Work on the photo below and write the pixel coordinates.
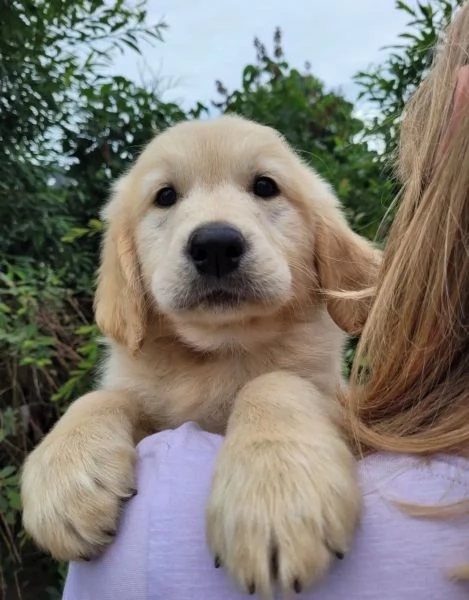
(120, 307)
(345, 262)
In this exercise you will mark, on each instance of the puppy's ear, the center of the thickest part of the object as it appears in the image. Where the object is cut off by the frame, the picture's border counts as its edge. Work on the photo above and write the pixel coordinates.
(120, 307)
(347, 267)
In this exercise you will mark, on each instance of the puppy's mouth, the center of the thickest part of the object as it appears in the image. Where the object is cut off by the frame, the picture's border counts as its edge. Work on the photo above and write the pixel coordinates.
(218, 296)
(222, 298)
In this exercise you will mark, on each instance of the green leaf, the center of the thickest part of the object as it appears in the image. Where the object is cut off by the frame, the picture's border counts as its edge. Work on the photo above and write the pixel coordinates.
(14, 499)
(7, 472)
(405, 7)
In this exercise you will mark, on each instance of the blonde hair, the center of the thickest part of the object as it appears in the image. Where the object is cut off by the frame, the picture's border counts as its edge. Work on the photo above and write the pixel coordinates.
(413, 395)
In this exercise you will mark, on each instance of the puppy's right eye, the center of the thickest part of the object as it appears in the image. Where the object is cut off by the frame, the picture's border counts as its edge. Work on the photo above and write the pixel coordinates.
(166, 197)
(265, 187)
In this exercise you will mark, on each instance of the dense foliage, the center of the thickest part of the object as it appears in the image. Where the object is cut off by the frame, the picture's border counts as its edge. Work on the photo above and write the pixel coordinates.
(67, 128)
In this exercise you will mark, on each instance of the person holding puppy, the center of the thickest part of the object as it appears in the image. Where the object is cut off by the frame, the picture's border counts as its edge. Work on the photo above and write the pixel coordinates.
(408, 414)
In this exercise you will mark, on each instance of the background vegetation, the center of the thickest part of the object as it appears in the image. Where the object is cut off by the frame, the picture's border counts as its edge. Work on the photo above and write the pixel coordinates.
(67, 128)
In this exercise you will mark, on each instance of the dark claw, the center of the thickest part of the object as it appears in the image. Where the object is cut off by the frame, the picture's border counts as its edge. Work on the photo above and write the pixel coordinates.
(128, 495)
(252, 589)
(85, 558)
(274, 562)
(110, 533)
(297, 586)
(217, 562)
(337, 553)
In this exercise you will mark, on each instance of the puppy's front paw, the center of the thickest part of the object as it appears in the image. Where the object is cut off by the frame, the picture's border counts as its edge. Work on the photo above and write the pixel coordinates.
(73, 487)
(281, 510)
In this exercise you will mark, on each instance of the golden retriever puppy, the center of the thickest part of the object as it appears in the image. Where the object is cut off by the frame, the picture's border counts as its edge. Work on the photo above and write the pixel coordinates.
(219, 248)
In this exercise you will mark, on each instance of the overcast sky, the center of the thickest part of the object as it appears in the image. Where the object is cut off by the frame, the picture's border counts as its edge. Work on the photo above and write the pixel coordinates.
(213, 39)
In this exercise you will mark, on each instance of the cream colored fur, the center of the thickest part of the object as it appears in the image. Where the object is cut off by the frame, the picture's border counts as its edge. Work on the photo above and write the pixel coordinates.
(265, 372)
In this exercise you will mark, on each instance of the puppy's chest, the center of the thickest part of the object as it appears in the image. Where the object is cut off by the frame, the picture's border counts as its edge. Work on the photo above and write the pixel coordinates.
(205, 392)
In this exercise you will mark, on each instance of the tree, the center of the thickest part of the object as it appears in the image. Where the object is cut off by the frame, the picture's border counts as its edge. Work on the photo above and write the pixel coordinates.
(51, 52)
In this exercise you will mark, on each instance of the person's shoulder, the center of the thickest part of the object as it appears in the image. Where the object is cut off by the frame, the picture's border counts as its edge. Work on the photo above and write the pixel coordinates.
(186, 436)
(184, 450)
(441, 479)
(166, 462)
(402, 550)
(416, 477)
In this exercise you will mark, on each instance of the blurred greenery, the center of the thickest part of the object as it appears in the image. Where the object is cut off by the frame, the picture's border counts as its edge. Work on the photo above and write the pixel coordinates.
(68, 128)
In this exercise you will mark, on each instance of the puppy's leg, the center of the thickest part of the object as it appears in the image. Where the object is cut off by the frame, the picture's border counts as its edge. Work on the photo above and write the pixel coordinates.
(284, 500)
(74, 482)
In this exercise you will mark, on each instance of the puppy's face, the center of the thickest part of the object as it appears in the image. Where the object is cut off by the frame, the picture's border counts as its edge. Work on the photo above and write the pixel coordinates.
(221, 230)
(215, 223)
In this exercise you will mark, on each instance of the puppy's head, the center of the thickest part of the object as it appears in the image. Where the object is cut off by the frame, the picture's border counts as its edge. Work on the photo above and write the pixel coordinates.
(219, 222)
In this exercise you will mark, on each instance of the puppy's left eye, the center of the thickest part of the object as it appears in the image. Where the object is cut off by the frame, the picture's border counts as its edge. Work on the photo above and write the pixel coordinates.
(265, 187)
(166, 197)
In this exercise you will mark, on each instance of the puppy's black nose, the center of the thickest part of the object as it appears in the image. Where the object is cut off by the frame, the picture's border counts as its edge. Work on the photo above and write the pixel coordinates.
(216, 249)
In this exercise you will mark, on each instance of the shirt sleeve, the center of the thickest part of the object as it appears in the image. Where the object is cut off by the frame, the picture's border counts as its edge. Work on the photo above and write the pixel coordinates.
(160, 552)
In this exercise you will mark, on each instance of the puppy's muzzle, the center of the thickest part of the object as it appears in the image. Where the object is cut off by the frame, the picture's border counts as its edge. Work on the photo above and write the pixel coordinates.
(216, 249)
